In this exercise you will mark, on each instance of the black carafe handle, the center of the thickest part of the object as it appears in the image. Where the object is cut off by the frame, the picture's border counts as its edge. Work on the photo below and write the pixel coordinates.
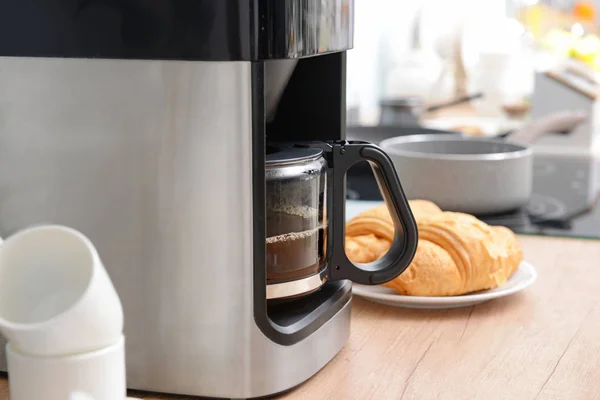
(340, 157)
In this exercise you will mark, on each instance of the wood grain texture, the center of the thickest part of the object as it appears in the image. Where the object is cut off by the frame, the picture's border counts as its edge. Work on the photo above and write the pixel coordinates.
(543, 343)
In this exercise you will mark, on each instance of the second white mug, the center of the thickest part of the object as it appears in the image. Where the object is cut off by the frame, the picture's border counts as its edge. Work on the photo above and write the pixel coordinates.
(98, 375)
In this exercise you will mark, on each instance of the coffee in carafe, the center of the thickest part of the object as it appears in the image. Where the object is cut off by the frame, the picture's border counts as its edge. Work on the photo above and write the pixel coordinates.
(295, 226)
(295, 244)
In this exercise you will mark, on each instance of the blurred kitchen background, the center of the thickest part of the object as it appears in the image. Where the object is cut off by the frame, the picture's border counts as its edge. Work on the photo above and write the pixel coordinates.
(409, 56)
(497, 69)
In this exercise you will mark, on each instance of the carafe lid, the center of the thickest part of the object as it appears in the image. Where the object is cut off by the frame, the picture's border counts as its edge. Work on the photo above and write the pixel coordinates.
(288, 162)
(284, 155)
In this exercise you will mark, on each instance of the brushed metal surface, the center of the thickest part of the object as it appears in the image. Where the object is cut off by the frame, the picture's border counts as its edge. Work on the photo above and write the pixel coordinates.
(277, 75)
(472, 175)
(152, 161)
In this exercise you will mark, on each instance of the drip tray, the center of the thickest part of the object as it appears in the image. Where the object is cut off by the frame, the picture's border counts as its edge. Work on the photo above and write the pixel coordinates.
(286, 313)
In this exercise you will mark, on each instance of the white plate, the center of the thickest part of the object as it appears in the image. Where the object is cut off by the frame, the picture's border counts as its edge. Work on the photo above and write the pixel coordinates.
(489, 126)
(524, 277)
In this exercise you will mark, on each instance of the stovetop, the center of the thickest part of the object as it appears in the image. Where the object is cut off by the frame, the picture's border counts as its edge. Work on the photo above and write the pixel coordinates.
(565, 200)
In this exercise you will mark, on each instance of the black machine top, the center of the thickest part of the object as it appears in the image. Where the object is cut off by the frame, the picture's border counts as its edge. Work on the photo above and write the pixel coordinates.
(211, 30)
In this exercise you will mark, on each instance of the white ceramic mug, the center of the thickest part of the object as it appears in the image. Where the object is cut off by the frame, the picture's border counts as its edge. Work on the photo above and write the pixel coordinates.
(56, 298)
(98, 375)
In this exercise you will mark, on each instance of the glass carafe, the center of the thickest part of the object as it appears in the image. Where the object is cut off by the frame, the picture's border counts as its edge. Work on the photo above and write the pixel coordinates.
(305, 217)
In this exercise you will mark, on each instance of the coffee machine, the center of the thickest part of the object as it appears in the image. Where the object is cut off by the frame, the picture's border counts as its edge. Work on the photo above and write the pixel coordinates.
(145, 125)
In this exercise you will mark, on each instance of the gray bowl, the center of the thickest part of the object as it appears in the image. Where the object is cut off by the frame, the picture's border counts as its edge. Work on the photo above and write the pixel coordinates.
(472, 175)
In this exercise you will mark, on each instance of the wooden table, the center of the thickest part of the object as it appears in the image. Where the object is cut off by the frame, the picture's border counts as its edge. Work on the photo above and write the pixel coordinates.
(543, 343)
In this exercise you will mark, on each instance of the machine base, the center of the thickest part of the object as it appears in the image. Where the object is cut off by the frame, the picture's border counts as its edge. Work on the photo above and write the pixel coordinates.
(272, 368)
(324, 344)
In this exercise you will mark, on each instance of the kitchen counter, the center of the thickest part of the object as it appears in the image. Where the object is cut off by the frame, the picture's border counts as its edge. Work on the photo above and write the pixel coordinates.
(543, 343)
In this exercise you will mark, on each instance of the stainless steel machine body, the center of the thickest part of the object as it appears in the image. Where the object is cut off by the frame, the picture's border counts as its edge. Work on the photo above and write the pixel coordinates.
(143, 125)
(146, 159)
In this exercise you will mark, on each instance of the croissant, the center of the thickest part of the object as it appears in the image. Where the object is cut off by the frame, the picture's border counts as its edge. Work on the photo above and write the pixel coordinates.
(456, 254)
